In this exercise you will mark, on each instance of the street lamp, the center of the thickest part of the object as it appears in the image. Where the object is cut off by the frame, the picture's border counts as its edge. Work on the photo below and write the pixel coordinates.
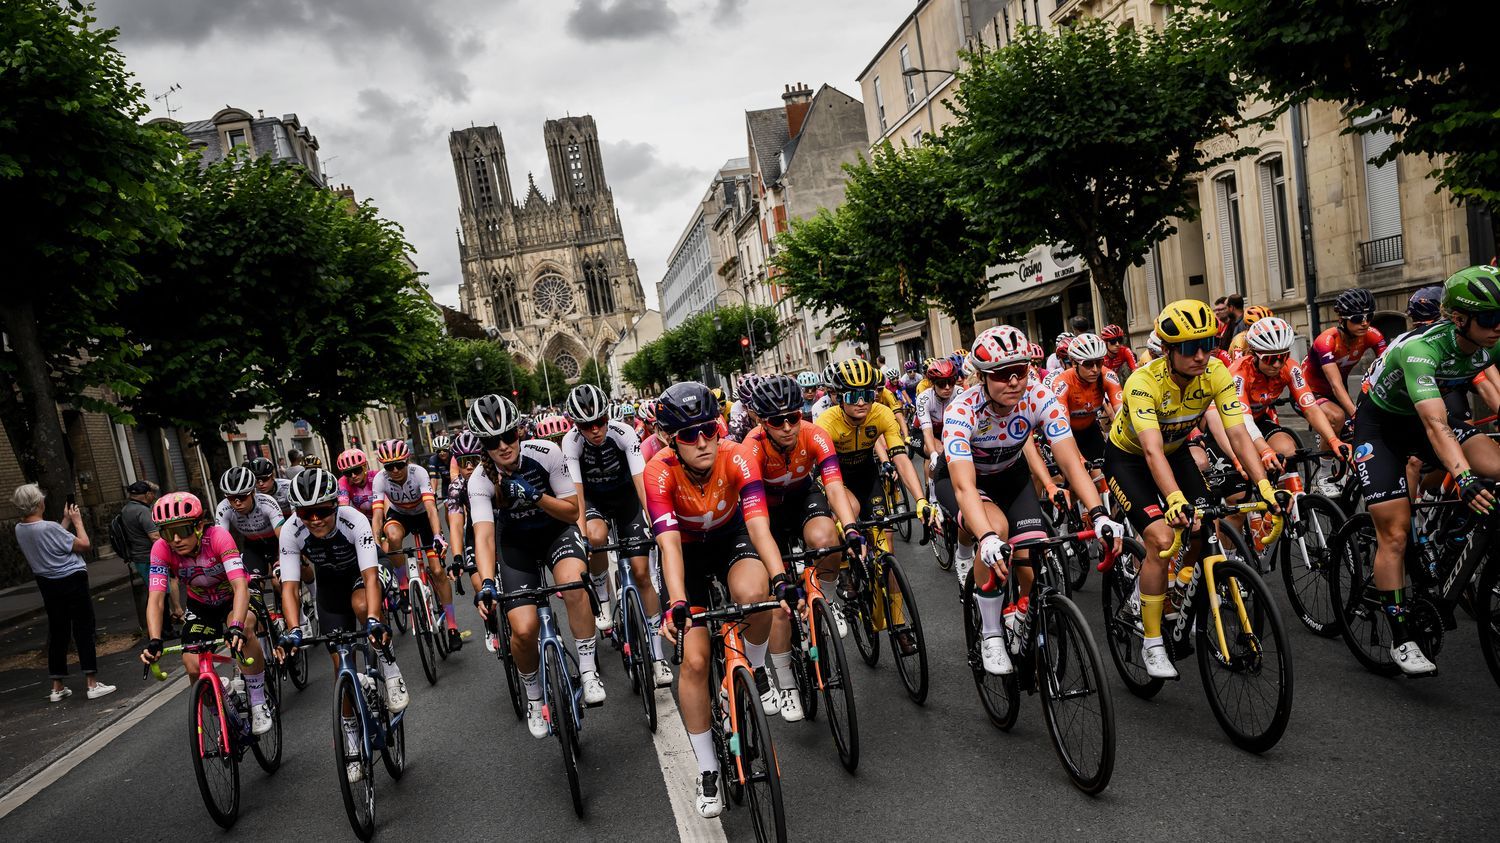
(918, 71)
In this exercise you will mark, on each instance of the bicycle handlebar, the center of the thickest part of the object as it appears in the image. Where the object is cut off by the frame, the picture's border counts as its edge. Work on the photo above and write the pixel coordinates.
(886, 521)
(732, 613)
(1214, 513)
(625, 546)
(813, 552)
(154, 668)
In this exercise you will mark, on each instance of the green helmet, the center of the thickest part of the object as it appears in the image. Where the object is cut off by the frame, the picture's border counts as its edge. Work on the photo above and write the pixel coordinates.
(1473, 290)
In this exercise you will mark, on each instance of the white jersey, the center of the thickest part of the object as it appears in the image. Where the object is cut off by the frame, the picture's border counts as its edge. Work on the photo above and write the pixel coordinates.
(822, 405)
(974, 432)
(407, 497)
(930, 409)
(347, 551)
(607, 467)
(543, 466)
(260, 523)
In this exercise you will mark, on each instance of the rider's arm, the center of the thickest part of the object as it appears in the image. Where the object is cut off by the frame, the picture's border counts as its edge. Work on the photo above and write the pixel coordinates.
(661, 510)
(1487, 384)
(456, 528)
(158, 575)
(1070, 460)
(377, 507)
(356, 528)
(1434, 415)
(1231, 416)
(481, 493)
(289, 560)
(560, 498)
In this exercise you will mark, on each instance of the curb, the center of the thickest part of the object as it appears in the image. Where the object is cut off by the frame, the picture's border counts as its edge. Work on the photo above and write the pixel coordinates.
(29, 615)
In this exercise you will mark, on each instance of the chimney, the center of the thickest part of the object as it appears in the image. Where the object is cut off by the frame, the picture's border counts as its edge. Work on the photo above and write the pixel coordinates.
(798, 100)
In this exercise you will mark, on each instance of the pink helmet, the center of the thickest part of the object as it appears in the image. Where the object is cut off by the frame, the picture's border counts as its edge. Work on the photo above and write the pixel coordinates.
(1036, 351)
(999, 347)
(392, 450)
(177, 506)
(553, 426)
(350, 460)
(647, 412)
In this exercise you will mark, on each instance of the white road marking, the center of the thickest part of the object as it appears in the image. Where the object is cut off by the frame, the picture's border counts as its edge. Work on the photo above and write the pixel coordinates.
(679, 770)
(59, 768)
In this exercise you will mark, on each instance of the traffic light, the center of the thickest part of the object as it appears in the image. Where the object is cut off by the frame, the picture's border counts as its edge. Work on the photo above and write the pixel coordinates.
(515, 392)
(744, 342)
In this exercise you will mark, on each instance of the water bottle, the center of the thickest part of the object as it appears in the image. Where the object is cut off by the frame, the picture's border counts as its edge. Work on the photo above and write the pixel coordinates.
(1177, 590)
(724, 709)
(1428, 554)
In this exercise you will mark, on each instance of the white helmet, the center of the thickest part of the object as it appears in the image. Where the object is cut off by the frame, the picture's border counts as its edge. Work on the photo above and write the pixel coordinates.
(1153, 344)
(1271, 335)
(999, 347)
(1086, 347)
(586, 403)
(892, 373)
(441, 443)
(492, 415)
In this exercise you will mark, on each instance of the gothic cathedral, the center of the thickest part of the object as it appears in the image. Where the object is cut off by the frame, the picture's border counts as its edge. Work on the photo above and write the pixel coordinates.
(551, 275)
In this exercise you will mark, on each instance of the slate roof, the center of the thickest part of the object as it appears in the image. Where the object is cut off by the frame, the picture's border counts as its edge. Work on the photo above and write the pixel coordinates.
(768, 135)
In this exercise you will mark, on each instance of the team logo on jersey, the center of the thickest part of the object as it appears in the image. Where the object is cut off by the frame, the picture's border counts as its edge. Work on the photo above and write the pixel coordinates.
(1426, 380)
(870, 431)
(1364, 452)
(1018, 428)
(1056, 429)
(959, 448)
(367, 540)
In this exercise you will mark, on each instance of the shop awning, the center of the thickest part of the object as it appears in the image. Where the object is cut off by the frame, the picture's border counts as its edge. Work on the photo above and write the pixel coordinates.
(908, 329)
(1024, 299)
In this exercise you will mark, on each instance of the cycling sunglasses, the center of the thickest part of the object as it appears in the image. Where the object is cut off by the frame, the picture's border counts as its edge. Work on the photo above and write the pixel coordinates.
(1113, 342)
(316, 513)
(1274, 359)
(593, 424)
(1360, 318)
(857, 396)
(1192, 347)
(180, 531)
(940, 383)
(394, 466)
(354, 472)
(509, 437)
(238, 498)
(1489, 320)
(691, 435)
(1008, 374)
(784, 419)
(469, 461)
(1090, 364)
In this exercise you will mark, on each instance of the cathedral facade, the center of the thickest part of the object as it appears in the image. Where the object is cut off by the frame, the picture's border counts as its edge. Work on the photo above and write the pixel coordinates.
(551, 275)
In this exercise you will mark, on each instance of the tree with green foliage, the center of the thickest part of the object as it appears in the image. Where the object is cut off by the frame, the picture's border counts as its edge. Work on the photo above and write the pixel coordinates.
(464, 369)
(87, 185)
(822, 270)
(902, 214)
(597, 375)
(1425, 64)
(1091, 137)
(549, 384)
(647, 369)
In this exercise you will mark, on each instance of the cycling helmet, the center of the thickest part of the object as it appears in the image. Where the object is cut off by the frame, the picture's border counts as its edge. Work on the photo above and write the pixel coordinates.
(585, 403)
(746, 386)
(829, 376)
(1473, 290)
(237, 481)
(909, 366)
(941, 369)
(775, 395)
(1153, 344)
(647, 412)
(176, 506)
(808, 380)
(686, 404)
(553, 427)
(1112, 332)
(892, 373)
(1061, 343)
(350, 460)
(855, 373)
(312, 487)
(1254, 313)
(1355, 301)
(718, 395)
(466, 444)
(1186, 319)
(1036, 352)
(312, 461)
(999, 347)
(1087, 347)
(392, 450)
(441, 443)
(1271, 335)
(627, 410)
(262, 467)
(493, 415)
(1425, 304)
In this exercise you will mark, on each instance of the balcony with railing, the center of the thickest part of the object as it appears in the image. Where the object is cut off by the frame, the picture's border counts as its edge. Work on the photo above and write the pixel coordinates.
(1385, 251)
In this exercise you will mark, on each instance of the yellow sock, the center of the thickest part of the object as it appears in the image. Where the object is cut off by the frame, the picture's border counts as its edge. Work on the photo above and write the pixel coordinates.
(897, 616)
(1151, 608)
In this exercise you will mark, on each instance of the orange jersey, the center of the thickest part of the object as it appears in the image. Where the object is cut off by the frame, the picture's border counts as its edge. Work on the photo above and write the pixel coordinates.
(1258, 392)
(791, 472)
(1084, 400)
(701, 510)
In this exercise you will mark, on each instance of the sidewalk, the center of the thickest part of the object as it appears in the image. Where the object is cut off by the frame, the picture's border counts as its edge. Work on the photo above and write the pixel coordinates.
(21, 603)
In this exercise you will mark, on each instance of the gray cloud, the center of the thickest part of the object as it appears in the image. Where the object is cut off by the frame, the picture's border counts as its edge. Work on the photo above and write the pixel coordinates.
(729, 11)
(620, 20)
(639, 175)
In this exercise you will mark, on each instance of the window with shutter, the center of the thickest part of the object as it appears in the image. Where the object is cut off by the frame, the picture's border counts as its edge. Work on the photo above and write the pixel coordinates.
(1275, 227)
(1382, 186)
(1227, 202)
(1154, 291)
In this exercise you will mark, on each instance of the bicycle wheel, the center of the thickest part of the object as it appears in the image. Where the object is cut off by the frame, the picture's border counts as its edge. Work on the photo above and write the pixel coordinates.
(859, 612)
(1000, 695)
(1075, 697)
(216, 768)
(1305, 555)
(400, 619)
(898, 502)
(514, 687)
(942, 548)
(1249, 685)
(1073, 557)
(267, 747)
(1122, 620)
(803, 672)
(756, 759)
(837, 685)
(393, 749)
(724, 741)
(298, 669)
(1487, 613)
(421, 625)
(560, 715)
(1351, 587)
(637, 654)
(902, 617)
(359, 796)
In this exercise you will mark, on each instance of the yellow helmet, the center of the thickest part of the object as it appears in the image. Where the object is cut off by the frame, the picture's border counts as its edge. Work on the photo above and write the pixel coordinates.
(1255, 312)
(1186, 319)
(855, 373)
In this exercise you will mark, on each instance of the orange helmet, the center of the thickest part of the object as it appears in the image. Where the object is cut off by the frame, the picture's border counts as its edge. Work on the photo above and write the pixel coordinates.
(1254, 313)
(392, 450)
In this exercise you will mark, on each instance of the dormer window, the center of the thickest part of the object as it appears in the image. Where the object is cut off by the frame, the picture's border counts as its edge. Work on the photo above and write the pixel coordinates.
(235, 137)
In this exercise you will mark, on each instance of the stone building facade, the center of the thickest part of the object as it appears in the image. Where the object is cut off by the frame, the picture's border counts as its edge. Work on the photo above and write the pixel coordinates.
(691, 281)
(551, 275)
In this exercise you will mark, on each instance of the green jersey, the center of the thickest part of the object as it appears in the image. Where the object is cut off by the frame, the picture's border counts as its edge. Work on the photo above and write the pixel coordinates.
(1424, 365)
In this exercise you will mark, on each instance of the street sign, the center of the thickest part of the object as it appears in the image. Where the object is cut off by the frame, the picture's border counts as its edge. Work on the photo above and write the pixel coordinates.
(430, 418)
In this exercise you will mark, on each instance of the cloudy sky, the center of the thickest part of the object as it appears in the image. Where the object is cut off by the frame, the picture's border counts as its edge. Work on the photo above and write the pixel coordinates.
(382, 82)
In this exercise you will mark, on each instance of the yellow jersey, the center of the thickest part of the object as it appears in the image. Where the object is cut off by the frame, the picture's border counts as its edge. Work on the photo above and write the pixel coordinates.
(886, 397)
(855, 443)
(1154, 401)
(1239, 345)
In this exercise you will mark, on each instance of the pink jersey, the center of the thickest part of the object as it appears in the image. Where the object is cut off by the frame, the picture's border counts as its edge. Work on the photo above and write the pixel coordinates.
(360, 497)
(206, 577)
(649, 446)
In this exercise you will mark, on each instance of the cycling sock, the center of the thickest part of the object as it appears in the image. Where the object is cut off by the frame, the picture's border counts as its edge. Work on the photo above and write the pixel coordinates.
(703, 750)
(255, 683)
(1148, 642)
(991, 611)
(756, 653)
(963, 560)
(601, 586)
(451, 617)
(388, 667)
(533, 685)
(1151, 608)
(586, 648)
(1392, 602)
(653, 626)
(781, 663)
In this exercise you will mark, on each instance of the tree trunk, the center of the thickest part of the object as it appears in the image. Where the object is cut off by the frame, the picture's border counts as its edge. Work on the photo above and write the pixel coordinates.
(413, 426)
(872, 323)
(215, 450)
(333, 433)
(1111, 287)
(965, 319)
(53, 471)
(18, 430)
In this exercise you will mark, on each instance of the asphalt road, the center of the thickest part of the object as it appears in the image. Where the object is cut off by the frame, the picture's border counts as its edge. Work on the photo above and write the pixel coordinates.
(1364, 757)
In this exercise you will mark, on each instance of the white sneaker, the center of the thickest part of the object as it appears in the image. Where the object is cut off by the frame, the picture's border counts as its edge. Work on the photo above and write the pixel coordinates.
(354, 771)
(837, 607)
(768, 701)
(60, 694)
(710, 801)
(605, 620)
(1412, 661)
(491, 642)
(534, 720)
(996, 656)
(1158, 663)
(661, 673)
(791, 705)
(593, 688)
(1328, 488)
(260, 718)
(396, 698)
(100, 690)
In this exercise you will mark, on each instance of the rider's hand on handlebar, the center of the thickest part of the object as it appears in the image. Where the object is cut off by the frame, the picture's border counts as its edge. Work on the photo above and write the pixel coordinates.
(856, 542)
(927, 512)
(785, 588)
(1268, 494)
(484, 598)
(1107, 530)
(380, 634)
(674, 621)
(235, 638)
(1271, 461)
(1179, 512)
(1476, 492)
(152, 652)
(994, 553)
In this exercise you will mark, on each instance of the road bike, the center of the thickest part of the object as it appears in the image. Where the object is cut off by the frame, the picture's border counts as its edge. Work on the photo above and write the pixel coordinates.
(1065, 514)
(1225, 612)
(427, 618)
(742, 736)
(897, 501)
(818, 660)
(1054, 654)
(219, 734)
(631, 634)
(294, 666)
(877, 597)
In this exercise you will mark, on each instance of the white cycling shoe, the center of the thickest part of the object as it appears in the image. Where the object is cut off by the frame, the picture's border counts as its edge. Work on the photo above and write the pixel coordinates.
(769, 702)
(710, 800)
(661, 673)
(260, 718)
(996, 656)
(791, 705)
(1158, 663)
(535, 723)
(605, 620)
(838, 618)
(593, 688)
(1412, 661)
(396, 697)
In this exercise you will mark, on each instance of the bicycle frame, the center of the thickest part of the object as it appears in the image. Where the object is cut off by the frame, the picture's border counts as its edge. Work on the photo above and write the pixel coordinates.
(624, 584)
(549, 637)
(207, 656)
(418, 577)
(1203, 570)
(344, 643)
(727, 645)
(812, 587)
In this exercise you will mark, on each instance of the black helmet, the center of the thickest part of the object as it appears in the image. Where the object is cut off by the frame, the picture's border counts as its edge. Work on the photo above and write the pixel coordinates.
(313, 486)
(586, 403)
(492, 415)
(686, 404)
(775, 395)
(239, 480)
(261, 467)
(1354, 302)
(1425, 304)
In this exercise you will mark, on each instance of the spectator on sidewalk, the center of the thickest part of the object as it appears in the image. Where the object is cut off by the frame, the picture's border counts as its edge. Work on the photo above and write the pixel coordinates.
(61, 576)
(294, 464)
(140, 536)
